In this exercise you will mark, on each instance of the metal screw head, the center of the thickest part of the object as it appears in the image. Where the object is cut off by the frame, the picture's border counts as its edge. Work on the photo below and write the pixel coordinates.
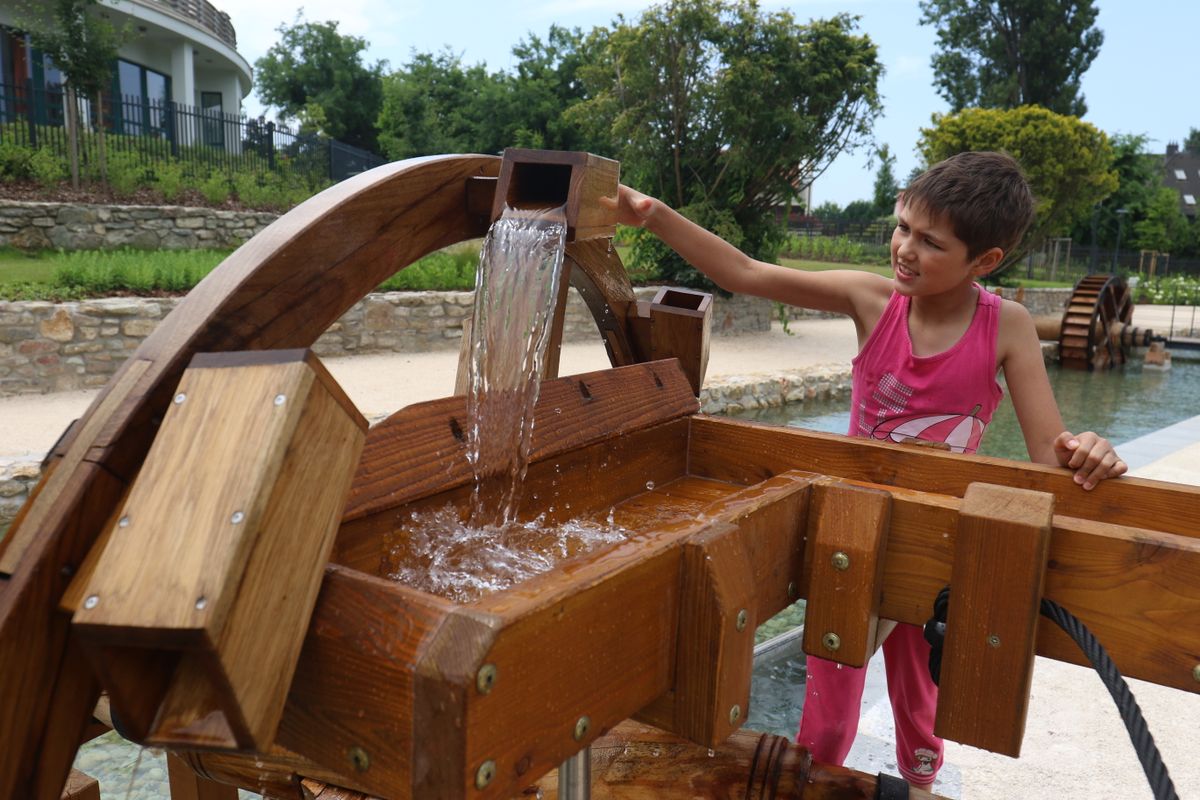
(280, 399)
(840, 561)
(179, 398)
(123, 522)
(994, 640)
(831, 641)
(485, 679)
(201, 602)
(742, 618)
(237, 517)
(485, 774)
(735, 714)
(581, 728)
(92, 601)
(360, 759)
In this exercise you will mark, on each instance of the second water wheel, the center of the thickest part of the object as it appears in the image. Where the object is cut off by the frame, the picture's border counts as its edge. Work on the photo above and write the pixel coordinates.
(1099, 312)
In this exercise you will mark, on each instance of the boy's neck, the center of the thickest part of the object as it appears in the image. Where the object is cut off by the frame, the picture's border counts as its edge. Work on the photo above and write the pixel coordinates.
(945, 305)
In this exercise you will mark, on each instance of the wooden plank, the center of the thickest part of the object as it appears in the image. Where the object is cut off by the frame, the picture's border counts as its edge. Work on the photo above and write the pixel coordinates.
(187, 785)
(355, 684)
(282, 289)
(715, 643)
(234, 516)
(680, 321)
(745, 452)
(576, 181)
(76, 689)
(847, 540)
(995, 599)
(421, 449)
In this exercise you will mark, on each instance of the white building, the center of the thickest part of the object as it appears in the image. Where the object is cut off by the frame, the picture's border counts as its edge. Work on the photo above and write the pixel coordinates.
(183, 51)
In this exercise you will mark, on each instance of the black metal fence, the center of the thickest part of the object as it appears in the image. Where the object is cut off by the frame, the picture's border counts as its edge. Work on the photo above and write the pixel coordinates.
(155, 132)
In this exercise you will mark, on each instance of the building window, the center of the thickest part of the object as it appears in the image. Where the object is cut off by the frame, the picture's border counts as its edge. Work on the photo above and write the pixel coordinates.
(142, 107)
(212, 109)
(1190, 199)
(1180, 175)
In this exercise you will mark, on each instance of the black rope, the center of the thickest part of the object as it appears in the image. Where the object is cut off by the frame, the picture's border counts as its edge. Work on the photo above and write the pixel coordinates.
(1131, 713)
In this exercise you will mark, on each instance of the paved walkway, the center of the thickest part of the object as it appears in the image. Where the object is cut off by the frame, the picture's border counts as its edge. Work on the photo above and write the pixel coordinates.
(1075, 743)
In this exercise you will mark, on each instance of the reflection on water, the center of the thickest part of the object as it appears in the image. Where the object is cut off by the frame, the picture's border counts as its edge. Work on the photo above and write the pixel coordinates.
(777, 691)
(1120, 404)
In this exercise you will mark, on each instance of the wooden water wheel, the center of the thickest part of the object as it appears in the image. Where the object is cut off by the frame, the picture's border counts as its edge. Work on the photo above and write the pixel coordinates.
(1101, 306)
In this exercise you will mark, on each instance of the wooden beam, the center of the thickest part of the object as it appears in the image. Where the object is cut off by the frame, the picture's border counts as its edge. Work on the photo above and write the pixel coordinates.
(995, 599)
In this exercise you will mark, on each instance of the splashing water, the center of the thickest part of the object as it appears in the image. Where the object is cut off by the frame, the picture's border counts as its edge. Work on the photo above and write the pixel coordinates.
(516, 287)
(441, 555)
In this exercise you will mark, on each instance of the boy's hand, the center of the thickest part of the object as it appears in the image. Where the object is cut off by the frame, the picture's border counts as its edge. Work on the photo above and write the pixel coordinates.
(1090, 455)
(632, 207)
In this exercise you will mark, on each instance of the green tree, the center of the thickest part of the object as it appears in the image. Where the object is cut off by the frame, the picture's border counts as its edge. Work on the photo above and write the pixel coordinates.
(436, 105)
(1160, 223)
(83, 44)
(722, 110)
(1139, 176)
(1068, 161)
(546, 83)
(1009, 53)
(886, 188)
(316, 75)
(1192, 142)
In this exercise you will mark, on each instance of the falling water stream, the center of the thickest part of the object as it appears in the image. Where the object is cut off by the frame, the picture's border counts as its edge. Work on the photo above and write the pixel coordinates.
(516, 290)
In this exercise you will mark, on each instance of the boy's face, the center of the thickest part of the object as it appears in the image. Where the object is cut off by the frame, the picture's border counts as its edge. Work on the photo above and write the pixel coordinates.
(928, 258)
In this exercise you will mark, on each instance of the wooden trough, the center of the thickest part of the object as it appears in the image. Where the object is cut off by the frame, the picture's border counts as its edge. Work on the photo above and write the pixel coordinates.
(194, 550)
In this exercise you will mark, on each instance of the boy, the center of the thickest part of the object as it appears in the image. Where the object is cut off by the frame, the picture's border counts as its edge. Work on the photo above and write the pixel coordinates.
(931, 343)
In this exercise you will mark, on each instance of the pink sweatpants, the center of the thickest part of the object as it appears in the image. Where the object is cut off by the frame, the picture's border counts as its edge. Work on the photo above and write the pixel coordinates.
(833, 694)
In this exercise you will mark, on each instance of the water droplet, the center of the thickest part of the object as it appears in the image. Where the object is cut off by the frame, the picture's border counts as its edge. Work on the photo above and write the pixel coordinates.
(649, 486)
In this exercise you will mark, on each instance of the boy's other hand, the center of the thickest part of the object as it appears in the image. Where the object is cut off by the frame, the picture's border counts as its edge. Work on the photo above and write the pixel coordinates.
(1090, 455)
(632, 207)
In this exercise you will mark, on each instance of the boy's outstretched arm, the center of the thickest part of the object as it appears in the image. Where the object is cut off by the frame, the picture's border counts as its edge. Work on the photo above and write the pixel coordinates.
(1090, 455)
(860, 295)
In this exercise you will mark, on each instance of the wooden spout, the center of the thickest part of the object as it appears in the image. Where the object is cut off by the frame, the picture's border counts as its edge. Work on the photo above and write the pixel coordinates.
(548, 179)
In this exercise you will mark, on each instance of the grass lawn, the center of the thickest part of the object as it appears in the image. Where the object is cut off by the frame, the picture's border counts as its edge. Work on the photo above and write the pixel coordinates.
(17, 267)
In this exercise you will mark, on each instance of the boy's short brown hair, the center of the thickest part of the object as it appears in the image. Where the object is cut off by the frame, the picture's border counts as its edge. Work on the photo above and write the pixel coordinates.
(984, 195)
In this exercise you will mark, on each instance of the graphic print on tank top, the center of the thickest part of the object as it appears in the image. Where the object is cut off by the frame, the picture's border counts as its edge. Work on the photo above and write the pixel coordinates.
(960, 433)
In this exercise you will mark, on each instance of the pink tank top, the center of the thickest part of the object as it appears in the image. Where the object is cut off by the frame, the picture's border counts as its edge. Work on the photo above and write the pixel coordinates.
(948, 397)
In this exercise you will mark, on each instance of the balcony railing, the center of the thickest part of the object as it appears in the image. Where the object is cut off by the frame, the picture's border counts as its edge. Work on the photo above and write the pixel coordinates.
(215, 21)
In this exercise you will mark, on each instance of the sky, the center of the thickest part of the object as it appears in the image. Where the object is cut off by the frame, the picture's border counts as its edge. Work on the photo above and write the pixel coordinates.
(1143, 81)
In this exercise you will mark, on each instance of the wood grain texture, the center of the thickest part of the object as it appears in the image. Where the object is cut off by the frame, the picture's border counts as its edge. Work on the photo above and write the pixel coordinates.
(187, 785)
(680, 322)
(847, 544)
(281, 289)
(995, 599)
(81, 786)
(576, 181)
(421, 449)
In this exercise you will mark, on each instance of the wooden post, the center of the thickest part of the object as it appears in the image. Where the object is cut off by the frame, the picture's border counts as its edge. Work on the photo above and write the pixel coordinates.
(549, 179)
(847, 540)
(991, 626)
(187, 785)
(196, 610)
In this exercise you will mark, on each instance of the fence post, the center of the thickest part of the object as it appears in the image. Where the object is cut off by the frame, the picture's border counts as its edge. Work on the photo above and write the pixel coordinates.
(329, 150)
(29, 113)
(172, 129)
(271, 146)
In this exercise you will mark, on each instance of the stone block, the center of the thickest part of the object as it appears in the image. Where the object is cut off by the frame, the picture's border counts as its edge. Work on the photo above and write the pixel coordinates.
(58, 327)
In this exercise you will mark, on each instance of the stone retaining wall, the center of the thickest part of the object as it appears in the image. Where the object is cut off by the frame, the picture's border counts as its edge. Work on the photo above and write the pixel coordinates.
(54, 347)
(39, 226)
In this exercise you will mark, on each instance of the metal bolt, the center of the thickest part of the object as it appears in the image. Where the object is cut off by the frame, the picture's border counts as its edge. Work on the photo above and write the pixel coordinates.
(831, 641)
(791, 589)
(841, 561)
(742, 617)
(994, 640)
(581, 728)
(1196, 673)
(485, 679)
(735, 714)
(92, 601)
(123, 521)
(360, 759)
(485, 774)
(237, 517)
(280, 399)
(201, 602)
(179, 398)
